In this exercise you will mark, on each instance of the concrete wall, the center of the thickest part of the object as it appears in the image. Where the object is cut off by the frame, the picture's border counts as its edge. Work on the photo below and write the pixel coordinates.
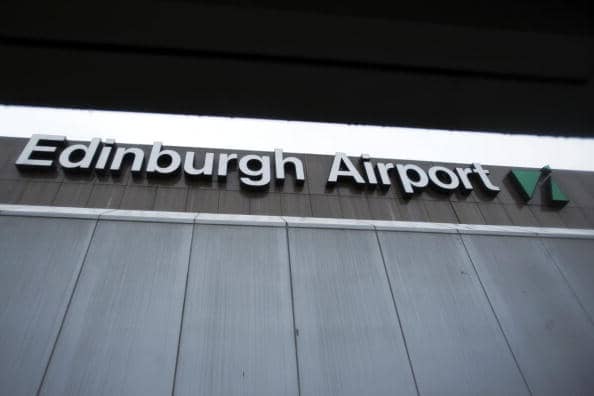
(125, 304)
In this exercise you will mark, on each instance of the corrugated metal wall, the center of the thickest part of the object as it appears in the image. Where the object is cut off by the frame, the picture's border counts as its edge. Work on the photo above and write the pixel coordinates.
(142, 308)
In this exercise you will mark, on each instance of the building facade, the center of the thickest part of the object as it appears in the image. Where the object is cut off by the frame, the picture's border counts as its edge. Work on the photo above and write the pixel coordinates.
(122, 282)
(425, 280)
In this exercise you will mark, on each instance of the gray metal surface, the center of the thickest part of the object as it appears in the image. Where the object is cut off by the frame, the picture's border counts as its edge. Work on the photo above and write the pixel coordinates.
(494, 214)
(39, 262)
(550, 334)
(202, 200)
(233, 202)
(171, 199)
(11, 190)
(73, 194)
(412, 210)
(520, 214)
(455, 344)
(237, 336)
(468, 213)
(574, 217)
(384, 209)
(106, 196)
(262, 203)
(325, 206)
(138, 197)
(575, 259)
(121, 332)
(349, 340)
(354, 207)
(39, 193)
(440, 211)
(295, 205)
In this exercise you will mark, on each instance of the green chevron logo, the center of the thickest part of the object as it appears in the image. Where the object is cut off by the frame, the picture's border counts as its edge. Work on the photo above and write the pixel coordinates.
(528, 180)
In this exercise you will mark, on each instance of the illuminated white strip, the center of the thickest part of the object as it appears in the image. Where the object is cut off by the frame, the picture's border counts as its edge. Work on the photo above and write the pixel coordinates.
(302, 137)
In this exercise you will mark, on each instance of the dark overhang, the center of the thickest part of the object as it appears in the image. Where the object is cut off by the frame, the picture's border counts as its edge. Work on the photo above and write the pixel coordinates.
(522, 67)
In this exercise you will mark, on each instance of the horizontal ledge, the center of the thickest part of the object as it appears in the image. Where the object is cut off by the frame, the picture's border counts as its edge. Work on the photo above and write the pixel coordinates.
(239, 219)
(149, 216)
(416, 226)
(51, 211)
(317, 222)
(291, 222)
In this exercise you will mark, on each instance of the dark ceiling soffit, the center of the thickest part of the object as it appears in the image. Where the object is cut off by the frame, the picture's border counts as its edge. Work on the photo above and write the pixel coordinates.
(71, 45)
(186, 28)
(284, 65)
(239, 88)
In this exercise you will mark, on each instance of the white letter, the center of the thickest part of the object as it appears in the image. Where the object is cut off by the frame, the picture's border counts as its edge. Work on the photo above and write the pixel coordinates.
(121, 152)
(478, 169)
(31, 147)
(383, 169)
(369, 172)
(280, 163)
(85, 162)
(156, 154)
(463, 175)
(206, 169)
(104, 154)
(409, 185)
(224, 160)
(263, 171)
(451, 185)
(336, 172)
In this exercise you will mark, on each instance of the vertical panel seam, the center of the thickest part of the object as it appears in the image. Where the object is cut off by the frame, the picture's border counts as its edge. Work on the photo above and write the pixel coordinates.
(293, 310)
(154, 198)
(186, 197)
(181, 324)
(569, 285)
(495, 314)
(74, 287)
(478, 209)
(123, 196)
(396, 310)
(310, 204)
(454, 211)
(86, 204)
(21, 193)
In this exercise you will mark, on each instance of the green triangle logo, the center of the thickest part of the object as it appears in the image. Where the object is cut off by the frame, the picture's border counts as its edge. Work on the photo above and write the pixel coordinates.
(526, 181)
(557, 196)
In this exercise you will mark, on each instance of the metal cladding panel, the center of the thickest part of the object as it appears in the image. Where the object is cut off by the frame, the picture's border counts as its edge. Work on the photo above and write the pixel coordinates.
(106, 196)
(468, 213)
(575, 259)
(455, 344)
(73, 194)
(349, 340)
(39, 193)
(39, 262)
(237, 335)
(120, 335)
(295, 205)
(170, 199)
(138, 197)
(548, 330)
